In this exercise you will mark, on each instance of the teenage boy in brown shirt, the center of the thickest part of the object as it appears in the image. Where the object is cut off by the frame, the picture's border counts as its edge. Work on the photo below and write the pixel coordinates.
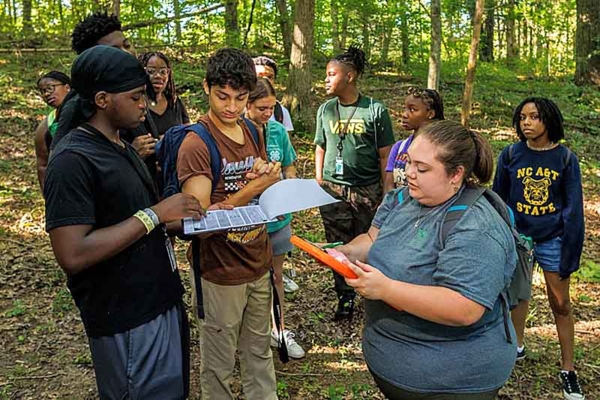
(235, 264)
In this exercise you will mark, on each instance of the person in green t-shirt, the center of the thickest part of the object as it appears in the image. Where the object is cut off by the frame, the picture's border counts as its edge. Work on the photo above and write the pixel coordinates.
(260, 108)
(53, 87)
(353, 139)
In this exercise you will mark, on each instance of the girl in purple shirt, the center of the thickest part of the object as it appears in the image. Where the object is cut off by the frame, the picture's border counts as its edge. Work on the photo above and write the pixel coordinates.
(421, 106)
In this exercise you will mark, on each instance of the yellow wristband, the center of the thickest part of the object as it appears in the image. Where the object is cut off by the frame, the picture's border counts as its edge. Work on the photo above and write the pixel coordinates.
(145, 220)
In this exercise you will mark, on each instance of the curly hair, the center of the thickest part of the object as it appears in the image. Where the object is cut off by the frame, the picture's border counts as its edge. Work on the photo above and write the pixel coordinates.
(93, 28)
(170, 91)
(354, 58)
(431, 98)
(231, 67)
(550, 115)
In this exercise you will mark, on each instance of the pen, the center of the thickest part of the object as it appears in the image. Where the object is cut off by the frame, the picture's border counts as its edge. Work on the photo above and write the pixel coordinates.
(332, 245)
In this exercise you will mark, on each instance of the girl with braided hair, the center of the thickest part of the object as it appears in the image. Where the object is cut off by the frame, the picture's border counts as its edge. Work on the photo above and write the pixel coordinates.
(421, 107)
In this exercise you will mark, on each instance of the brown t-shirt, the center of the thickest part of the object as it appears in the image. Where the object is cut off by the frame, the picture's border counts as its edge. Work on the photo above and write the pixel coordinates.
(239, 255)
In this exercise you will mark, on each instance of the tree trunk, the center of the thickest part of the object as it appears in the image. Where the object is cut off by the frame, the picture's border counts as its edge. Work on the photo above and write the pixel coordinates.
(511, 47)
(177, 12)
(387, 40)
(405, 39)
(335, 29)
(27, 26)
(284, 23)
(486, 52)
(116, 7)
(472, 65)
(435, 51)
(344, 37)
(232, 29)
(366, 32)
(297, 97)
(587, 43)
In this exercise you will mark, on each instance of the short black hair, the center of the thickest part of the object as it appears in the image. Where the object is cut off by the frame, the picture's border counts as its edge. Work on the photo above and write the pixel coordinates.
(93, 28)
(550, 115)
(354, 58)
(231, 67)
(57, 76)
(267, 62)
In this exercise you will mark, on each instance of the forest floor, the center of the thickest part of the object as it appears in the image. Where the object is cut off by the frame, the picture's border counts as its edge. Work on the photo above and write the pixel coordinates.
(44, 352)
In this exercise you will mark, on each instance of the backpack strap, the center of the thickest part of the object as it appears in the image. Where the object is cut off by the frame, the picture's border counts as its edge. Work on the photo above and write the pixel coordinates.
(254, 131)
(466, 199)
(215, 156)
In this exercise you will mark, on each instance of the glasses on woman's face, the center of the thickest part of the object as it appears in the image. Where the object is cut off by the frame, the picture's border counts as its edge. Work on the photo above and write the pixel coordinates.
(157, 71)
(49, 89)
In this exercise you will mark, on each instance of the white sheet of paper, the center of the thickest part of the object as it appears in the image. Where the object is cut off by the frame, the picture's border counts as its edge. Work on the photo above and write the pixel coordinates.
(284, 197)
(291, 195)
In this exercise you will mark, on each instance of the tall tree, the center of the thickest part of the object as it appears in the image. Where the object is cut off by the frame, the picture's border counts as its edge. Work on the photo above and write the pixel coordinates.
(284, 23)
(472, 65)
(366, 30)
(486, 51)
(405, 15)
(27, 25)
(116, 7)
(587, 42)
(232, 28)
(335, 28)
(300, 78)
(511, 42)
(177, 12)
(435, 52)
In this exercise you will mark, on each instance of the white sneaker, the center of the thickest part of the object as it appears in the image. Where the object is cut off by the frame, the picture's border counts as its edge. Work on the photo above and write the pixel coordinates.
(289, 286)
(293, 348)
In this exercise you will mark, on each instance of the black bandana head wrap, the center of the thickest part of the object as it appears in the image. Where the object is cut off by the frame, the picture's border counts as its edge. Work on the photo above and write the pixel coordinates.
(105, 68)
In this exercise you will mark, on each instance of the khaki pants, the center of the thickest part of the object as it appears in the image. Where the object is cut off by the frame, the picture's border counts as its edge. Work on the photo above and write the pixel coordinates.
(237, 317)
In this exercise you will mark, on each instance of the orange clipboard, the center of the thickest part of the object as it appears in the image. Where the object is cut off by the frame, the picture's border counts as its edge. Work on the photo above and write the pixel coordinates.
(323, 257)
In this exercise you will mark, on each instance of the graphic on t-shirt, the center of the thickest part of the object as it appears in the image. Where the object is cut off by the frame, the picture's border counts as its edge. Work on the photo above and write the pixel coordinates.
(536, 192)
(356, 126)
(234, 177)
(274, 153)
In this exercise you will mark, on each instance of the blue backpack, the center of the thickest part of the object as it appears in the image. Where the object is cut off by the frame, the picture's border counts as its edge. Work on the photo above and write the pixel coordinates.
(523, 244)
(167, 150)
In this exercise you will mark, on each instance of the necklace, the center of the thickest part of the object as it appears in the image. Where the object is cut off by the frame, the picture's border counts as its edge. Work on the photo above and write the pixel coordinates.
(419, 220)
(550, 147)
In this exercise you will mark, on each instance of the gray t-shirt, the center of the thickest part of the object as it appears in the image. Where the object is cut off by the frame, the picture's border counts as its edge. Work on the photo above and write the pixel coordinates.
(477, 261)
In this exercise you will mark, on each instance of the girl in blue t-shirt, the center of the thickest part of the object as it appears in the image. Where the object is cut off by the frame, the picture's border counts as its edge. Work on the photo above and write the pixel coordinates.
(540, 180)
(260, 108)
(421, 106)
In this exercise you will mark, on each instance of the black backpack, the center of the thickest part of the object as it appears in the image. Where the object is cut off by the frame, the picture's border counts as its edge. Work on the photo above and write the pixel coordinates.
(524, 244)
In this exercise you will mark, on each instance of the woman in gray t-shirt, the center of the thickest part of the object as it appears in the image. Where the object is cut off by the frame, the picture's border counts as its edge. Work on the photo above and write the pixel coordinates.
(434, 310)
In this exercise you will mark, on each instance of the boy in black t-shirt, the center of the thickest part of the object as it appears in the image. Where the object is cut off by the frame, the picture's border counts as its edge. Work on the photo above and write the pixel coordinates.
(109, 235)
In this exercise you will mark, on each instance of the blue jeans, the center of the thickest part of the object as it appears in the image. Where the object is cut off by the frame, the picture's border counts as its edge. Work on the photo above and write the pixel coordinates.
(547, 254)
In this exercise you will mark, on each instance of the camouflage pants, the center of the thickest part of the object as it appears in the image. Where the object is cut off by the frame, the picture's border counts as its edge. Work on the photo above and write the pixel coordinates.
(350, 217)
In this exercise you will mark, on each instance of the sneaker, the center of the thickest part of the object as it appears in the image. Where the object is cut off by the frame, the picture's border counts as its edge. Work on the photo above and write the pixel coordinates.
(293, 348)
(521, 354)
(571, 388)
(345, 309)
(289, 286)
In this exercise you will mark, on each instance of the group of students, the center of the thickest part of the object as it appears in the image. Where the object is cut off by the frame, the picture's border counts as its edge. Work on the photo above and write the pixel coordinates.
(433, 307)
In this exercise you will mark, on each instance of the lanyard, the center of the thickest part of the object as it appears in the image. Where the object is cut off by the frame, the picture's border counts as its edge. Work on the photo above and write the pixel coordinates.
(344, 128)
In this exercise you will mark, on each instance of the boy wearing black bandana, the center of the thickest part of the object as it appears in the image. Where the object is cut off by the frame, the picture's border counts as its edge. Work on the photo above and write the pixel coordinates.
(109, 234)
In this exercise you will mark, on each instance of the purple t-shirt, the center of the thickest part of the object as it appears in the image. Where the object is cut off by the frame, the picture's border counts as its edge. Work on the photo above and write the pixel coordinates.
(397, 158)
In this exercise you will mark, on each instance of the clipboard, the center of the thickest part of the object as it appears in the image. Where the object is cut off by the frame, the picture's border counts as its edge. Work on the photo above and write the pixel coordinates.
(323, 257)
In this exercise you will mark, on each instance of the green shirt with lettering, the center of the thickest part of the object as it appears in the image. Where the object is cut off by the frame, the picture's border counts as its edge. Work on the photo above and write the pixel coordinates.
(368, 127)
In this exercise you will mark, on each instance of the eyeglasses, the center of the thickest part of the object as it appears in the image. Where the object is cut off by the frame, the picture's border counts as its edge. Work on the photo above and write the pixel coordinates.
(160, 71)
(49, 89)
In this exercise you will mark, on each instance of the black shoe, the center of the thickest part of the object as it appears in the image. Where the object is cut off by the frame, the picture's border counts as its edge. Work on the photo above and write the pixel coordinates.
(571, 388)
(345, 309)
(521, 354)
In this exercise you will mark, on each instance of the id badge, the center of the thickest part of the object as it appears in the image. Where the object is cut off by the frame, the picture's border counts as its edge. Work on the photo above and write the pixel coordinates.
(339, 165)
(171, 252)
